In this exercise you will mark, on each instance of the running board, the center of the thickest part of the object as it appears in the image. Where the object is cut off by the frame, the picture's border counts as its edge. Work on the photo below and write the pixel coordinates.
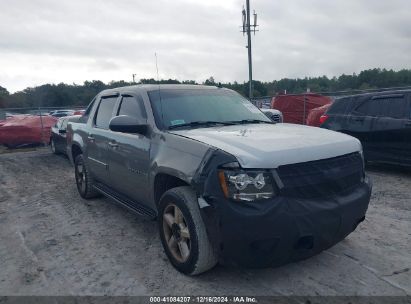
(133, 206)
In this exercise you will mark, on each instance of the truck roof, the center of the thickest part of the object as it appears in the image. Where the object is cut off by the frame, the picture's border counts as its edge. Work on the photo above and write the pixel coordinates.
(152, 87)
(380, 93)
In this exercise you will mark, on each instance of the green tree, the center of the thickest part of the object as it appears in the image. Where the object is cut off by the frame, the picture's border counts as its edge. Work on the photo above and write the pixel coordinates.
(3, 95)
(65, 95)
(210, 81)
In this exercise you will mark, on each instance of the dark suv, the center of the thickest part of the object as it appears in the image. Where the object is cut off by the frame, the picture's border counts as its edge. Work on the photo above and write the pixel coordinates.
(381, 121)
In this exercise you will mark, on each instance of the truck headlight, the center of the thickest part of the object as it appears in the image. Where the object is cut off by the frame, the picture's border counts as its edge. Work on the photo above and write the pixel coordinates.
(240, 185)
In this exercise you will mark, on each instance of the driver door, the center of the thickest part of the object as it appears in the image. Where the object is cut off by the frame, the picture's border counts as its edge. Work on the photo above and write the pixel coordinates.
(129, 154)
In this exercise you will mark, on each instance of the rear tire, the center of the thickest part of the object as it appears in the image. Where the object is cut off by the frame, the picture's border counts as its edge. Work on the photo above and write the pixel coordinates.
(84, 180)
(183, 233)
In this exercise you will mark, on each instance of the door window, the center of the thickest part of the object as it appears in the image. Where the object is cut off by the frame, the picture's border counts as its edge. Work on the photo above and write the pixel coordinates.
(132, 107)
(369, 108)
(105, 112)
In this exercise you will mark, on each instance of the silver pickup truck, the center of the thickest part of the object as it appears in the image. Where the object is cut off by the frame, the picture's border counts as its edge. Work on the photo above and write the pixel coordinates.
(225, 183)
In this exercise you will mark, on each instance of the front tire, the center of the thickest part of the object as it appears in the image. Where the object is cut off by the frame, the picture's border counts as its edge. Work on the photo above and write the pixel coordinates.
(84, 180)
(183, 233)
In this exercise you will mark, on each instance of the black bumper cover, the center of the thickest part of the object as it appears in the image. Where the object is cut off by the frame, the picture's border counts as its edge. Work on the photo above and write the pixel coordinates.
(282, 230)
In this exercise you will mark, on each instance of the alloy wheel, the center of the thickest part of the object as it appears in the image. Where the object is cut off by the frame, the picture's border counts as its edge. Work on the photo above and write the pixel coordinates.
(176, 233)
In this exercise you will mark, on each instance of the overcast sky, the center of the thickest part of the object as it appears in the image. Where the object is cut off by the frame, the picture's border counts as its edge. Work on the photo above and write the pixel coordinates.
(50, 41)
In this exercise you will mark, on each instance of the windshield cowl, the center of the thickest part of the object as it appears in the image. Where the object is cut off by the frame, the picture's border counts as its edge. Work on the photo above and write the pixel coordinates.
(198, 124)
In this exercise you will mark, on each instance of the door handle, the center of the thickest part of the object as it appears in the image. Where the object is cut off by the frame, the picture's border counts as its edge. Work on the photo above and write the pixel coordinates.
(359, 119)
(113, 145)
(90, 138)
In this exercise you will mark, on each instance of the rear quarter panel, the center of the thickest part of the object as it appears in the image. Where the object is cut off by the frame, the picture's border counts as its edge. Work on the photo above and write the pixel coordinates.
(76, 135)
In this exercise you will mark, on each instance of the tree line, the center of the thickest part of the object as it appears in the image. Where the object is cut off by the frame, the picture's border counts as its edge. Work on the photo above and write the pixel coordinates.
(61, 95)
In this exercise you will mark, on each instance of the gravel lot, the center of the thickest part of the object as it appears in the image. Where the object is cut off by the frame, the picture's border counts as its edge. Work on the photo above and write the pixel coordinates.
(54, 243)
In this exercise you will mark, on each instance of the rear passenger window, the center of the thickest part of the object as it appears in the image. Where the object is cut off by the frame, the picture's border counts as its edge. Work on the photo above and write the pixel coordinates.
(339, 106)
(105, 112)
(393, 107)
(132, 107)
(86, 114)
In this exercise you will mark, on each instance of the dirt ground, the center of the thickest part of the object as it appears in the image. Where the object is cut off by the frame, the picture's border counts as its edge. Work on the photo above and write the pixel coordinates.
(54, 243)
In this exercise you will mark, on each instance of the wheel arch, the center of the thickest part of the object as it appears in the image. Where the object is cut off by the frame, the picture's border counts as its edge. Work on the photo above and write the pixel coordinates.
(75, 151)
(164, 181)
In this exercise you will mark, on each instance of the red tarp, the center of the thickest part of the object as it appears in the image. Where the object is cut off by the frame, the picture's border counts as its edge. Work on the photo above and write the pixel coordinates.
(25, 129)
(292, 106)
(313, 118)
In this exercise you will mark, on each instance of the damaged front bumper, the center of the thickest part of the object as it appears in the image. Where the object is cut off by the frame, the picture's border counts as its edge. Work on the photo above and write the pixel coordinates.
(283, 229)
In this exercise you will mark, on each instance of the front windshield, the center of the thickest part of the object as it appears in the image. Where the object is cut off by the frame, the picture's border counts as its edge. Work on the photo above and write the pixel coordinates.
(185, 106)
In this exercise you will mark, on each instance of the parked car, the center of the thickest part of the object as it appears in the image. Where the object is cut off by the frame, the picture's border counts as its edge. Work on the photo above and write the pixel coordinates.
(79, 112)
(9, 115)
(22, 130)
(381, 121)
(62, 113)
(224, 182)
(58, 141)
(274, 115)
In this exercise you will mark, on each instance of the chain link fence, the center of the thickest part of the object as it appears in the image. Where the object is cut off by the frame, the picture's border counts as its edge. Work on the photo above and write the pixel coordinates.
(38, 111)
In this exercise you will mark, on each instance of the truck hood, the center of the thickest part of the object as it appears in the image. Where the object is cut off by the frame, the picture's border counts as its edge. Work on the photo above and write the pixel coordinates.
(270, 146)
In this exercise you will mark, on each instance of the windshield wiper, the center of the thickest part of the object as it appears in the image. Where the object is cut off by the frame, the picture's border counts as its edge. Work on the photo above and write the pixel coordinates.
(201, 123)
(250, 121)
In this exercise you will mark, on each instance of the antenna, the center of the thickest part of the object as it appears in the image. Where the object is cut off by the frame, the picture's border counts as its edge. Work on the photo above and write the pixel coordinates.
(158, 77)
(159, 89)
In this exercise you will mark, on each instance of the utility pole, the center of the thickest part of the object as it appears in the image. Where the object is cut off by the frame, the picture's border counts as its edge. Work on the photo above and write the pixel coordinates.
(134, 78)
(247, 29)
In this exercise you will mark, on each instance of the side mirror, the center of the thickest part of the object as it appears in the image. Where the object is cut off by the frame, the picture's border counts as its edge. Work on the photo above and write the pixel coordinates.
(61, 131)
(128, 124)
